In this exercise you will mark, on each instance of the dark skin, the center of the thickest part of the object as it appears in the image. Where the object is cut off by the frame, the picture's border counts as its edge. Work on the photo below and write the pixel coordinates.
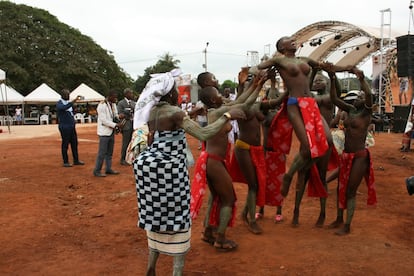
(295, 73)
(167, 116)
(250, 133)
(326, 108)
(356, 125)
(171, 117)
(219, 180)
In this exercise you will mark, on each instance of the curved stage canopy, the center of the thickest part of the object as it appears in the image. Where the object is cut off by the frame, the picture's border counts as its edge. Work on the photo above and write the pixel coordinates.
(341, 43)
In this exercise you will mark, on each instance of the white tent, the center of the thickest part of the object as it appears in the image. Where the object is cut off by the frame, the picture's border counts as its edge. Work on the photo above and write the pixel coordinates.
(9, 96)
(42, 94)
(88, 94)
(2, 75)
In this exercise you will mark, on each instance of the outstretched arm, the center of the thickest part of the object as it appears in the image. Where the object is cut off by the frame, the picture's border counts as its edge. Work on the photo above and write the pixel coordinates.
(329, 67)
(365, 88)
(247, 96)
(334, 97)
(271, 62)
(273, 103)
(205, 133)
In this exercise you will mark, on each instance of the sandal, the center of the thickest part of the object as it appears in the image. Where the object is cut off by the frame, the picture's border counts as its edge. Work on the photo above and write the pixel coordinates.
(258, 216)
(225, 246)
(208, 236)
(278, 218)
(209, 240)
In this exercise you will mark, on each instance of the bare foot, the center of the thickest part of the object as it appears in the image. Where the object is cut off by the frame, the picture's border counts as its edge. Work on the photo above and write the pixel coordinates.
(336, 224)
(321, 220)
(344, 230)
(254, 228)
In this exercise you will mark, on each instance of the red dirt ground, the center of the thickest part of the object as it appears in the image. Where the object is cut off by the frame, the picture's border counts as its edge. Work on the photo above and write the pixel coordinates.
(65, 221)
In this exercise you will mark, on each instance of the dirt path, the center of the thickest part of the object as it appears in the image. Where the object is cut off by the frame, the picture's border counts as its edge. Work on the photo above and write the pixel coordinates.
(64, 221)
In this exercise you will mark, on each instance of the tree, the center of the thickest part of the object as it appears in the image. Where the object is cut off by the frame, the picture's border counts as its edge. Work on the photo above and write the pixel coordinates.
(165, 64)
(37, 48)
(228, 84)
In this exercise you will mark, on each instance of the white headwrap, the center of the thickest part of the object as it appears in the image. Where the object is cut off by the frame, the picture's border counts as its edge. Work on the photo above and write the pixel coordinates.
(352, 95)
(159, 85)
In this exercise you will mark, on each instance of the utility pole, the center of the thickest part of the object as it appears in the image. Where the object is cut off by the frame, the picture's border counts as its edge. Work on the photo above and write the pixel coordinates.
(205, 57)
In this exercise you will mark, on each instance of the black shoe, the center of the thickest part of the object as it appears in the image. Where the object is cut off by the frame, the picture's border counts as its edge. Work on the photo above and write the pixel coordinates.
(124, 163)
(67, 165)
(410, 185)
(79, 163)
(112, 172)
(98, 174)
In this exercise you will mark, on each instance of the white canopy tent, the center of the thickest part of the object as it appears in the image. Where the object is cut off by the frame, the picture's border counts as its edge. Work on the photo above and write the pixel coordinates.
(42, 95)
(87, 94)
(9, 96)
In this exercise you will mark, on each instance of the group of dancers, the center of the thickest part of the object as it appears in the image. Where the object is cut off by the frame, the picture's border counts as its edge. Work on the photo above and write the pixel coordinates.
(165, 202)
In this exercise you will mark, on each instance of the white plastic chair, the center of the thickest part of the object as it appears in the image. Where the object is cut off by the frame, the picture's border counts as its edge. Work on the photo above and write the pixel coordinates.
(44, 119)
(79, 117)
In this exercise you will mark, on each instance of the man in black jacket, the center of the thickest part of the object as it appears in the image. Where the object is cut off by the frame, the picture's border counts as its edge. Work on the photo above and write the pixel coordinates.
(126, 108)
(67, 129)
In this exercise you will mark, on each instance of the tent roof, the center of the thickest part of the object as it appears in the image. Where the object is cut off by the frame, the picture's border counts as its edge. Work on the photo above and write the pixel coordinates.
(2, 75)
(340, 43)
(87, 92)
(42, 94)
(9, 95)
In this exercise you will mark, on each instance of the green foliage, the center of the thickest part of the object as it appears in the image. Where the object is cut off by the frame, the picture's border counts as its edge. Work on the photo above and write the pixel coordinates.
(228, 84)
(37, 48)
(165, 64)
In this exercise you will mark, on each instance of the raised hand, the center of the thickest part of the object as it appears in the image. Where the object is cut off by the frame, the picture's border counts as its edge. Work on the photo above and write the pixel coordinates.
(260, 78)
(243, 75)
(357, 72)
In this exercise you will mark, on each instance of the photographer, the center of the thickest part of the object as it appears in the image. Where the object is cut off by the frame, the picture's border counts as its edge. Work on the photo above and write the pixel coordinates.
(67, 129)
(126, 108)
(108, 124)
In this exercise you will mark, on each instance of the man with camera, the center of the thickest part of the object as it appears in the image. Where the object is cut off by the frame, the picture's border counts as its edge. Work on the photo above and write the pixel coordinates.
(126, 108)
(67, 129)
(108, 124)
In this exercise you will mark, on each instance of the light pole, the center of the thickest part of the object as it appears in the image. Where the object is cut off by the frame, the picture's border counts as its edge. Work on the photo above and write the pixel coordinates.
(205, 57)
(380, 85)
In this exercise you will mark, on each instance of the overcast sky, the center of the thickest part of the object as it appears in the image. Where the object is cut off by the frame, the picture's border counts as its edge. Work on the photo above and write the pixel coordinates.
(139, 32)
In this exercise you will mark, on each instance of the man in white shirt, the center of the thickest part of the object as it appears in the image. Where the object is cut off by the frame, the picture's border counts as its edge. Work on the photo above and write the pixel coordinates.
(107, 118)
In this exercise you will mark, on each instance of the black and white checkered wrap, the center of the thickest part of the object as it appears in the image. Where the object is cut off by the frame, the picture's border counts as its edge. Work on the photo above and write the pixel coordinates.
(162, 183)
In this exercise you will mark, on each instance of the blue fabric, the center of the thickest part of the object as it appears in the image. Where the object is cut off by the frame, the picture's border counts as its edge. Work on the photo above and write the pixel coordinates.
(292, 101)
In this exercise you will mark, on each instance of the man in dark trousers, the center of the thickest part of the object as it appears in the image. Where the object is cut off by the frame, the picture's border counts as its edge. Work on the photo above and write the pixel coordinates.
(126, 108)
(67, 129)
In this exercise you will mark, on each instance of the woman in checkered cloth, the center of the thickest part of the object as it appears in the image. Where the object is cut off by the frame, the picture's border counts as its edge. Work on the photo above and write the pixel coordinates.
(161, 174)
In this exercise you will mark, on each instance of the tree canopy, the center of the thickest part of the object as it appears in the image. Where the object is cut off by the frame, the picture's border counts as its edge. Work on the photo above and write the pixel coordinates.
(37, 48)
(165, 64)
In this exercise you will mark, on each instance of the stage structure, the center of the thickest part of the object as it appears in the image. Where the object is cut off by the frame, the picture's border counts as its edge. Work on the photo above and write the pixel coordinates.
(344, 44)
